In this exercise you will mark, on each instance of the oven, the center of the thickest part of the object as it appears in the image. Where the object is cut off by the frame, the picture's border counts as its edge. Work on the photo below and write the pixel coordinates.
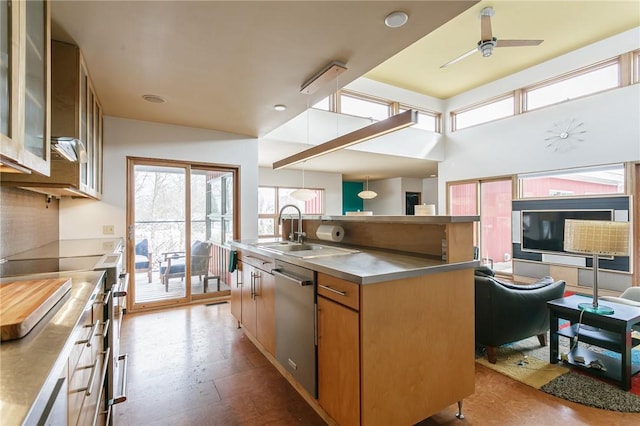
(116, 282)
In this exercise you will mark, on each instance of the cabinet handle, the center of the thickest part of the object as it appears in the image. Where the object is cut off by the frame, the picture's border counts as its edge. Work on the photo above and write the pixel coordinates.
(105, 328)
(88, 389)
(105, 299)
(92, 334)
(100, 398)
(254, 284)
(333, 290)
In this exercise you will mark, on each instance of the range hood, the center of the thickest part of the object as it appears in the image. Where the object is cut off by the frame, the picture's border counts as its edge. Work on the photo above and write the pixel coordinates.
(68, 148)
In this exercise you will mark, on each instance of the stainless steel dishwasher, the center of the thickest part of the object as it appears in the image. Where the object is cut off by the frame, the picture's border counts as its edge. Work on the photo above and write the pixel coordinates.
(296, 323)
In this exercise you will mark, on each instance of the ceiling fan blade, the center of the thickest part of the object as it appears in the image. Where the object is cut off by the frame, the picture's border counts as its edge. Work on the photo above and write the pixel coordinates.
(517, 43)
(485, 25)
(461, 57)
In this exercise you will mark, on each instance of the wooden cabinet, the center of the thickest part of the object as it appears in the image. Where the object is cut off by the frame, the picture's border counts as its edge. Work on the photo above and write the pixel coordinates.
(24, 87)
(87, 367)
(257, 298)
(76, 114)
(338, 360)
(404, 343)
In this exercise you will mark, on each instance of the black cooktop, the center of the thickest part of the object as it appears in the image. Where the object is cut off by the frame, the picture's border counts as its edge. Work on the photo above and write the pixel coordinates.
(37, 266)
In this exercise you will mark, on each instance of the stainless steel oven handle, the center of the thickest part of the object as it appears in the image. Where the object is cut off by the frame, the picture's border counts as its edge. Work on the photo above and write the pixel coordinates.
(123, 285)
(123, 381)
(296, 280)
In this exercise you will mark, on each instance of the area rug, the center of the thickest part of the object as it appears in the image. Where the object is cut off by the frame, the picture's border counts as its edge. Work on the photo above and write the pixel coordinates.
(527, 362)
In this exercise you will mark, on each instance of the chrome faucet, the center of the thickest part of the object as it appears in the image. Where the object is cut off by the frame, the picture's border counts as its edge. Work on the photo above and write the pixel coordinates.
(300, 234)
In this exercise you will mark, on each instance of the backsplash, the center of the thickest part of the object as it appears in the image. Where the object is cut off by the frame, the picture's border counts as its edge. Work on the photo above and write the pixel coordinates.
(27, 220)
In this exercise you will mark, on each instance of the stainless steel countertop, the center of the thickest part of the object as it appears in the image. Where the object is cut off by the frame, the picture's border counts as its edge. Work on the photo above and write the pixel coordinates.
(365, 267)
(30, 366)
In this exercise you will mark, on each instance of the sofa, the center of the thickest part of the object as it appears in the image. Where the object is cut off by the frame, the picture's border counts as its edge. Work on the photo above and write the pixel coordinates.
(506, 312)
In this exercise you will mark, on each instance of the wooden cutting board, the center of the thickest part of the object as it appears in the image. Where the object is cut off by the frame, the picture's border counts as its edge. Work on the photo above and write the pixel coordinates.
(24, 303)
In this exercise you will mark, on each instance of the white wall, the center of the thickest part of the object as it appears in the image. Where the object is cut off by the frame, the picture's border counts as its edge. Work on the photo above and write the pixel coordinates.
(81, 218)
(331, 182)
(517, 144)
(388, 200)
(430, 191)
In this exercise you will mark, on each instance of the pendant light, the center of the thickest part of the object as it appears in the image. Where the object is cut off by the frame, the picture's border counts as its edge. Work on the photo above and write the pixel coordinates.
(366, 194)
(303, 194)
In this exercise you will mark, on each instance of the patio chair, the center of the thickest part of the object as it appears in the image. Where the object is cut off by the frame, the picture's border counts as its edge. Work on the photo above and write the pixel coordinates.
(144, 258)
(174, 263)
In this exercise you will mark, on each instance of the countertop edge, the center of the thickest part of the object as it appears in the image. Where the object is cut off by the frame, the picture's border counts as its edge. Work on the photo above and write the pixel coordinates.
(318, 266)
(30, 410)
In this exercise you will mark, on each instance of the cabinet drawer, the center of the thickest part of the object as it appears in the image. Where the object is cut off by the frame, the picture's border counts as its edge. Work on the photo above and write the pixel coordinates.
(260, 262)
(93, 403)
(82, 338)
(341, 291)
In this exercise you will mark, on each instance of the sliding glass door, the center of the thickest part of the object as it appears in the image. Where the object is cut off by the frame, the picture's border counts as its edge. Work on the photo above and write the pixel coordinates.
(491, 200)
(180, 220)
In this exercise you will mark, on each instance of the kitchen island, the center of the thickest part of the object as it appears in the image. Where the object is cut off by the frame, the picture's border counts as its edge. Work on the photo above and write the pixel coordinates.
(31, 367)
(395, 332)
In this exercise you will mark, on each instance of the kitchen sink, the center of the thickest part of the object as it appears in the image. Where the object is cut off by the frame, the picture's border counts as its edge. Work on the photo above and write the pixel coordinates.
(304, 250)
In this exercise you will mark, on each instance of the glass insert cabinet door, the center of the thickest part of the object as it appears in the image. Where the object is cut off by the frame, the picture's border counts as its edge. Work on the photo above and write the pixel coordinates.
(6, 59)
(35, 136)
(24, 84)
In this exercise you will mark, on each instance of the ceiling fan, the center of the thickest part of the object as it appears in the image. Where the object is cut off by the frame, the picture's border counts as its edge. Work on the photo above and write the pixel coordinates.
(488, 42)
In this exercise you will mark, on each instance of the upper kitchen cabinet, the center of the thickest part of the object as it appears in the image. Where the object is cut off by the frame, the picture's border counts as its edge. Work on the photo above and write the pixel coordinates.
(24, 87)
(76, 129)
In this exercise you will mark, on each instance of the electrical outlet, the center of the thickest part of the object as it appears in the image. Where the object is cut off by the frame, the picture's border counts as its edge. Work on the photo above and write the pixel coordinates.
(108, 229)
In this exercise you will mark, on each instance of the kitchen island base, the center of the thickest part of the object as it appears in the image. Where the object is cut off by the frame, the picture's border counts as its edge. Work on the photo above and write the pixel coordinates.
(415, 344)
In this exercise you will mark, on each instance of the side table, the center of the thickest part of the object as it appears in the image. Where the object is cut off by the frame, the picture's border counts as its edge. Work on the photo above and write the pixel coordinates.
(612, 332)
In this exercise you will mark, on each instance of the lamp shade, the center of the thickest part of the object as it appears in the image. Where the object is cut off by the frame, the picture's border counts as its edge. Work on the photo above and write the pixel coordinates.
(599, 237)
(303, 194)
(367, 195)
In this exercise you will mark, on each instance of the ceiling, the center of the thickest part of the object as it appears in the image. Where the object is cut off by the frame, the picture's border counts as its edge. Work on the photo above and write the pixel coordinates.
(224, 65)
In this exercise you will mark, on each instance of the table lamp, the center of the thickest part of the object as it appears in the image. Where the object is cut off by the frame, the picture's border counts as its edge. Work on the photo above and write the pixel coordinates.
(596, 237)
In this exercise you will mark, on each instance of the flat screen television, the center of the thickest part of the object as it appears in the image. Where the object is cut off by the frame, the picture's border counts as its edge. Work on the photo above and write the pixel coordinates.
(543, 230)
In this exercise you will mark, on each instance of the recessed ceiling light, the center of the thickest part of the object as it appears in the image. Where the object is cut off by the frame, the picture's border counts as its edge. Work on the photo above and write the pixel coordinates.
(280, 107)
(432, 175)
(396, 19)
(155, 99)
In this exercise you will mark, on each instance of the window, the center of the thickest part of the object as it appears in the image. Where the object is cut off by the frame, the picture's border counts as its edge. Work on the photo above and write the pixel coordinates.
(575, 85)
(576, 182)
(271, 199)
(427, 120)
(489, 111)
(362, 106)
